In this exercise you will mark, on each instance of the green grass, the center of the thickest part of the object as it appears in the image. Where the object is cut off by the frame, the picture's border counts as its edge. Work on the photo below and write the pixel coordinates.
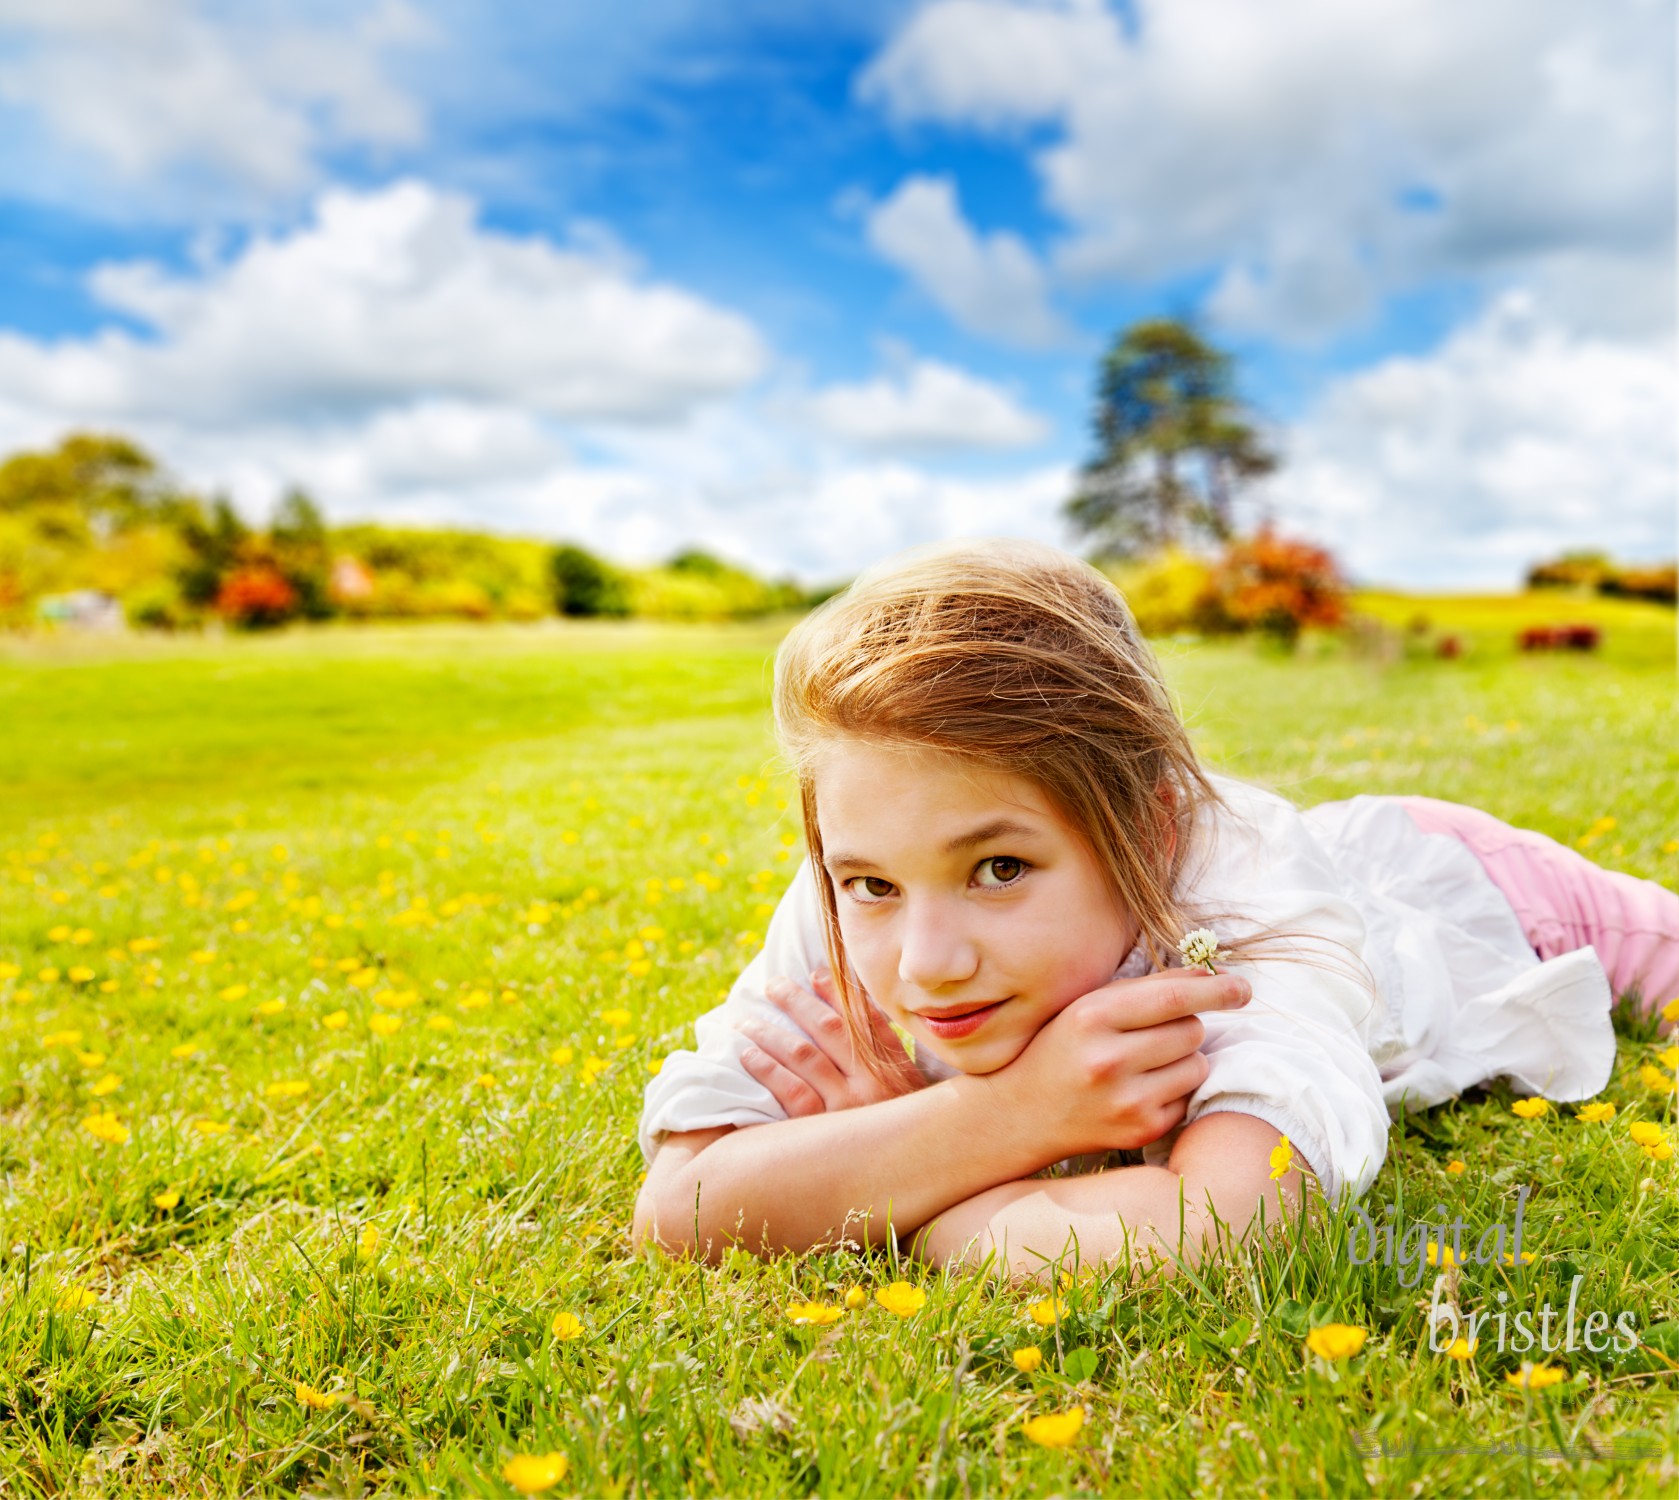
(488, 820)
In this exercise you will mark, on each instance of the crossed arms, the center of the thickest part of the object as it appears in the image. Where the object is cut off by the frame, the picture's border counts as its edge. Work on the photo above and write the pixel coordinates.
(948, 1167)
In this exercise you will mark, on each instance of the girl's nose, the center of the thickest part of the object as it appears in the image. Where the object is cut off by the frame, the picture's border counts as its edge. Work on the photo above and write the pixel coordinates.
(936, 950)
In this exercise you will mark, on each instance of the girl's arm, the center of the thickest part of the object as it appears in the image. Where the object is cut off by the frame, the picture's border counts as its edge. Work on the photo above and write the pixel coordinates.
(1113, 1070)
(1220, 1165)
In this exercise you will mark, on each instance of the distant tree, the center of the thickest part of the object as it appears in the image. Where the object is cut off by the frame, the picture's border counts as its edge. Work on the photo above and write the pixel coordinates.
(89, 488)
(1173, 443)
(216, 545)
(585, 585)
(298, 539)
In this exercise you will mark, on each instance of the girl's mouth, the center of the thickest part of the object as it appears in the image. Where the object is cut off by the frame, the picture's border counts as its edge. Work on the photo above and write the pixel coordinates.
(950, 1027)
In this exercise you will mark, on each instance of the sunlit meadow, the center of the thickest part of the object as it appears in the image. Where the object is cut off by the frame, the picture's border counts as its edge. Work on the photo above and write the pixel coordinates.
(331, 971)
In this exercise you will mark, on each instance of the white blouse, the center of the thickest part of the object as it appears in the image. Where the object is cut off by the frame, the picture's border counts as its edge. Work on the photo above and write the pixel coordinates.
(1399, 977)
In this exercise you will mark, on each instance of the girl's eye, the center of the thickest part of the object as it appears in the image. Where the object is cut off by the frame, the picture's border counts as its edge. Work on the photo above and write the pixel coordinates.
(873, 897)
(1006, 869)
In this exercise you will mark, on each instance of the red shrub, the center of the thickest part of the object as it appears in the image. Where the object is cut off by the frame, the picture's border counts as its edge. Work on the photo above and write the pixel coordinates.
(1560, 638)
(1280, 586)
(256, 598)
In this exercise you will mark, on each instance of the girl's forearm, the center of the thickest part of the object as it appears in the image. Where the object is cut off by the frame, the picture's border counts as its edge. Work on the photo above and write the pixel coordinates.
(1027, 1228)
(858, 1174)
(1217, 1181)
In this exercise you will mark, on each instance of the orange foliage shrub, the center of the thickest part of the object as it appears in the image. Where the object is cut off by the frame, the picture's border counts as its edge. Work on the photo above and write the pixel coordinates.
(1280, 586)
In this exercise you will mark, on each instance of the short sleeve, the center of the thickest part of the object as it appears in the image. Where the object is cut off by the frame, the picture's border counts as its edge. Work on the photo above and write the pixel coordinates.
(1298, 1055)
(709, 1086)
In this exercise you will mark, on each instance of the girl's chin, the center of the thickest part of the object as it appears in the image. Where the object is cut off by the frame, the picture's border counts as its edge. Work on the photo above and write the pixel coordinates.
(975, 1061)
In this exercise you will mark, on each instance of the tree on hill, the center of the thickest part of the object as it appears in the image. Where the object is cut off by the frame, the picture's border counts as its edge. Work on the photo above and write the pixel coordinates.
(1174, 443)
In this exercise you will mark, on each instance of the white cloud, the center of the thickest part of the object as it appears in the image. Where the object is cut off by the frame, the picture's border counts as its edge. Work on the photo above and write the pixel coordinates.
(990, 284)
(159, 102)
(1319, 153)
(930, 406)
(1513, 441)
(387, 298)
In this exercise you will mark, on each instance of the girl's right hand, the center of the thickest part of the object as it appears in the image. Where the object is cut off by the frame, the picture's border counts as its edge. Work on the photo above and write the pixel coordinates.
(1115, 1069)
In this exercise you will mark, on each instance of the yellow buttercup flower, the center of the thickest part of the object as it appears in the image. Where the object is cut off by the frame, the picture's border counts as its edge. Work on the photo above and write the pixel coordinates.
(901, 1298)
(1456, 1168)
(1440, 1255)
(233, 992)
(814, 1314)
(1028, 1359)
(566, 1327)
(1661, 1151)
(336, 1021)
(287, 1088)
(1597, 1114)
(1462, 1349)
(383, 1025)
(440, 1023)
(616, 1017)
(1645, 1132)
(75, 1298)
(1282, 1159)
(1668, 1057)
(561, 1055)
(313, 1400)
(1336, 1341)
(109, 1084)
(1057, 1430)
(167, 1199)
(367, 1243)
(856, 1298)
(486, 1081)
(1653, 1078)
(1530, 1109)
(62, 1039)
(184, 1050)
(532, 1473)
(211, 1127)
(1670, 1011)
(90, 1059)
(270, 1008)
(1536, 1377)
(1048, 1311)
(105, 1126)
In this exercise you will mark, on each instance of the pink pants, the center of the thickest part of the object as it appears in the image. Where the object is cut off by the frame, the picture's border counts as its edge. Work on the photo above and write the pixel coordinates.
(1566, 902)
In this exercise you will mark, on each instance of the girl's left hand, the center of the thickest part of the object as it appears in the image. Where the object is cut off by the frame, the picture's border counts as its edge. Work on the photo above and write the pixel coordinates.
(811, 1077)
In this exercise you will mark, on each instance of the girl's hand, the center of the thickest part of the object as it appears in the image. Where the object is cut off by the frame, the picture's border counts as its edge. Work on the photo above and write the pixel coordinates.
(822, 1074)
(1115, 1069)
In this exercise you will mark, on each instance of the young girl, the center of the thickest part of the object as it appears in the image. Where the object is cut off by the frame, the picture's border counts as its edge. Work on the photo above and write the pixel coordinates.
(976, 972)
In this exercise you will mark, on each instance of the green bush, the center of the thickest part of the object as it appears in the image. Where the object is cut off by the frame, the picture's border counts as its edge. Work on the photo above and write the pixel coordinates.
(585, 586)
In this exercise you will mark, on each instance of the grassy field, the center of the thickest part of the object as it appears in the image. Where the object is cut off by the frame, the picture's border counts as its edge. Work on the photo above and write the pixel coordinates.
(331, 970)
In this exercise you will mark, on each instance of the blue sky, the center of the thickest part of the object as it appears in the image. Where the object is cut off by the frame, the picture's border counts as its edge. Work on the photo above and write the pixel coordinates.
(809, 283)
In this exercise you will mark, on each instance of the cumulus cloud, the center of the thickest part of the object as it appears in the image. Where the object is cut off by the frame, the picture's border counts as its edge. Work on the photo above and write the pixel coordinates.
(1319, 153)
(1514, 440)
(929, 406)
(990, 284)
(386, 298)
(180, 101)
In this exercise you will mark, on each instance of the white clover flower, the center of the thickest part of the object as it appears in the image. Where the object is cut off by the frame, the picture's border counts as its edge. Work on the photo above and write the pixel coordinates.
(1201, 948)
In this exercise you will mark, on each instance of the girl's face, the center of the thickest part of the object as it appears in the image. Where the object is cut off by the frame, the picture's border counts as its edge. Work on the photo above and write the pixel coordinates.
(971, 910)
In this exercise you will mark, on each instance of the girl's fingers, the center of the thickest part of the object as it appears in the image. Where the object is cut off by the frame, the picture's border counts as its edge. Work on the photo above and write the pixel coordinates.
(1172, 1083)
(1133, 1004)
(816, 1017)
(1165, 1043)
(792, 1093)
(800, 1057)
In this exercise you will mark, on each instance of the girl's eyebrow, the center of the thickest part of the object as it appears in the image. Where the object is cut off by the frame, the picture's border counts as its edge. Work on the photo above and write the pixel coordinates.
(998, 828)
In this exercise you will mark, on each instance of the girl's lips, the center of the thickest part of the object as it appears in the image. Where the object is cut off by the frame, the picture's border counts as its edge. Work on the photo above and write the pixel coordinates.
(949, 1028)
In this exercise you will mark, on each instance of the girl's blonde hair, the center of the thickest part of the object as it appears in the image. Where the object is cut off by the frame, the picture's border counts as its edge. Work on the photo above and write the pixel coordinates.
(1018, 659)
